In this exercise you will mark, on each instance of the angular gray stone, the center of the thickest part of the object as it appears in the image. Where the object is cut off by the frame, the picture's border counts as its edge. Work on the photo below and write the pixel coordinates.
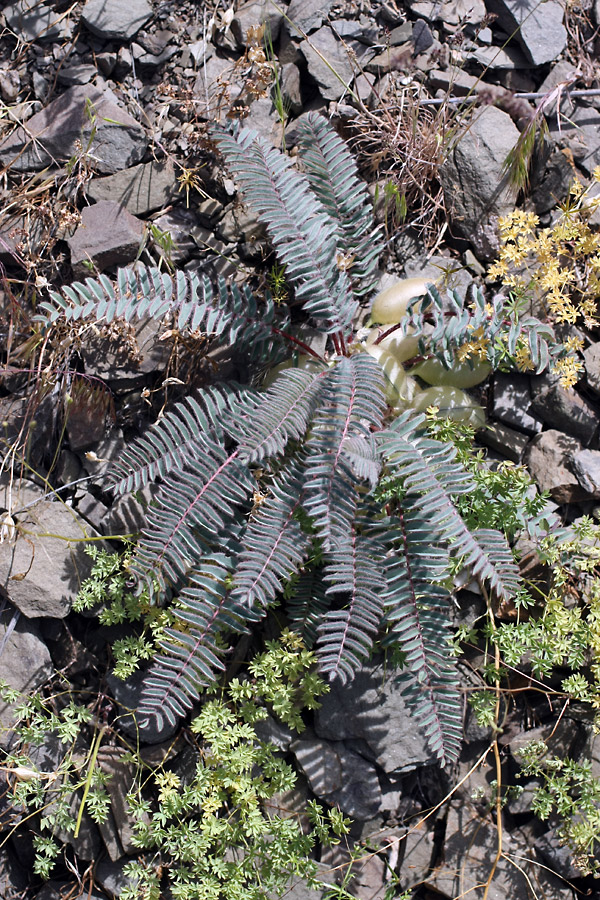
(78, 74)
(371, 709)
(548, 459)
(25, 662)
(566, 410)
(140, 190)
(10, 85)
(112, 761)
(253, 14)
(291, 88)
(470, 849)
(109, 875)
(107, 236)
(512, 399)
(504, 440)
(539, 26)
(550, 181)
(51, 134)
(328, 63)
(34, 21)
(581, 134)
(591, 357)
(116, 19)
(586, 466)
(451, 12)
(273, 732)
(124, 359)
(308, 15)
(475, 185)
(41, 570)
(340, 776)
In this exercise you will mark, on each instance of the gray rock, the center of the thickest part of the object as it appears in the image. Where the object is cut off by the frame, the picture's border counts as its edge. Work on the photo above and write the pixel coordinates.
(263, 118)
(512, 399)
(25, 662)
(548, 460)
(308, 15)
(586, 466)
(562, 72)
(591, 357)
(470, 849)
(181, 224)
(213, 85)
(109, 875)
(539, 27)
(291, 91)
(112, 761)
(581, 134)
(340, 776)
(299, 890)
(504, 440)
(564, 409)
(108, 236)
(273, 732)
(416, 848)
(78, 74)
(10, 85)
(21, 237)
(499, 58)
(51, 135)
(115, 19)
(556, 856)
(475, 185)
(34, 21)
(140, 190)
(551, 179)
(451, 12)
(371, 708)
(253, 14)
(328, 63)
(127, 694)
(41, 572)
(125, 358)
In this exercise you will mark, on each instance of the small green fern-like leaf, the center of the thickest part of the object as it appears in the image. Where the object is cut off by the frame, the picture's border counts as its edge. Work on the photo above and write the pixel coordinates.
(263, 424)
(172, 441)
(274, 545)
(192, 658)
(417, 613)
(352, 403)
(304, 236)
(308, 603)
(225, 311)
(345, 636)
(431, 475)
(332, 173)
(193, 506)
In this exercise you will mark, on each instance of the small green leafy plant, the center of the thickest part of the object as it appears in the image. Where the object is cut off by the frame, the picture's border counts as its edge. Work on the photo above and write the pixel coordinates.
(568, 790)
(62, 731)
(212, 834)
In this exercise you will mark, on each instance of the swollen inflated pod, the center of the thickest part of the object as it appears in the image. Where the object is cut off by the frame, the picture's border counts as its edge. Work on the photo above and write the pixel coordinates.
(389, 307)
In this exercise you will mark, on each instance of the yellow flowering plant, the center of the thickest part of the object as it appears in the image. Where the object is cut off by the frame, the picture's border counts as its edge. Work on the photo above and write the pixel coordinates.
(557, 267)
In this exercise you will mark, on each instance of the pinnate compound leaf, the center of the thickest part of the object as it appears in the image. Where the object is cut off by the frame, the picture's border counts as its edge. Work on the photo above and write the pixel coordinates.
(345, 636)
(432, 475)
(304, 236)
(417, 613)
(191, 657)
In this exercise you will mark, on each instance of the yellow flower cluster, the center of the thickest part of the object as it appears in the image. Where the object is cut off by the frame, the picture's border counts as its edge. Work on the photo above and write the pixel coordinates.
(570, 370)
(477, 346)
(562, 262)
